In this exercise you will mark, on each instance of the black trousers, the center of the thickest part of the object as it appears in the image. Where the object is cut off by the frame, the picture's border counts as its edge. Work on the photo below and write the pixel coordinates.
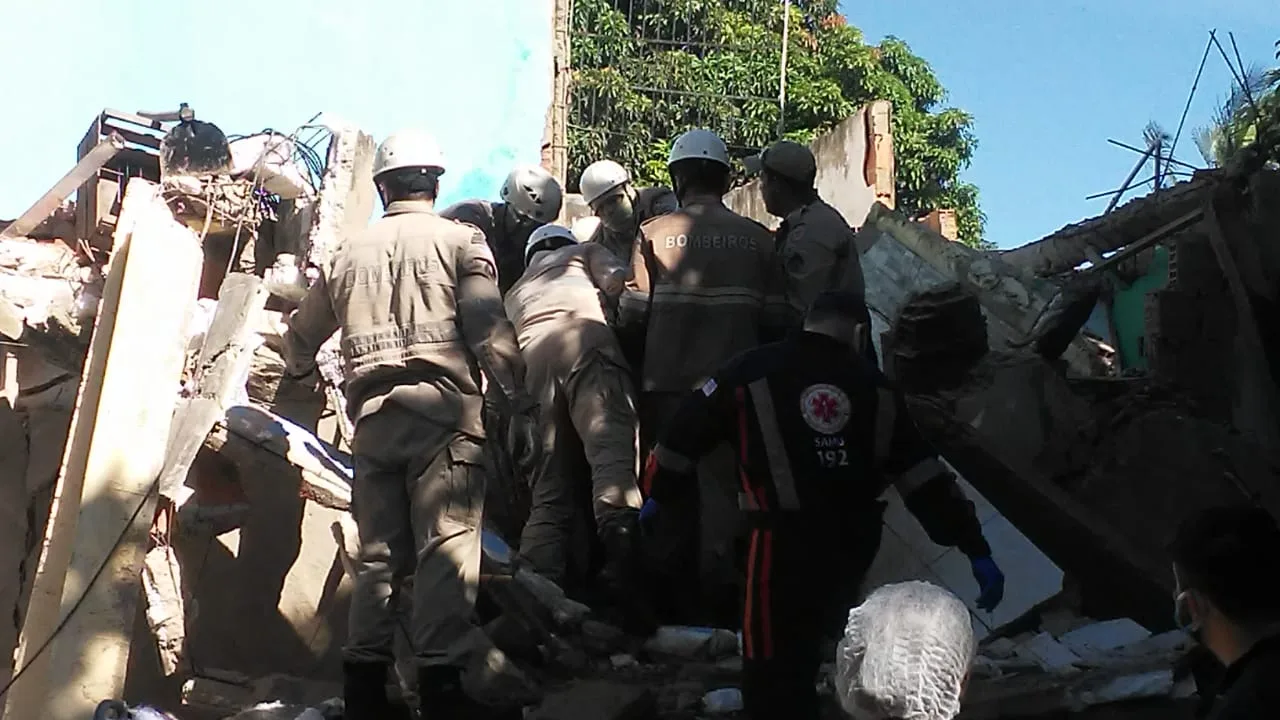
(802, 578)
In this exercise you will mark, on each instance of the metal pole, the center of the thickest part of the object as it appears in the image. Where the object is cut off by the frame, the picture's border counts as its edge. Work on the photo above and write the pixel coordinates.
(782, 70)
(85, 169)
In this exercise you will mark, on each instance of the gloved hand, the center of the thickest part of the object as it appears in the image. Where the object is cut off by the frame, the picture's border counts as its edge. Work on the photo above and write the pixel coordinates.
(648, 511)
(523, 438)
(990, 582)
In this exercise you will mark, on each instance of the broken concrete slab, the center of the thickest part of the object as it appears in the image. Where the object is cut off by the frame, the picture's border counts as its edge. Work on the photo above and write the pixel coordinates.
(598, 700)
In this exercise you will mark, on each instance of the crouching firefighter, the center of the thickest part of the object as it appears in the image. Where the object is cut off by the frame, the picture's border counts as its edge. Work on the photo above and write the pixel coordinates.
(578, 375)
(819, 436)
(416, 299)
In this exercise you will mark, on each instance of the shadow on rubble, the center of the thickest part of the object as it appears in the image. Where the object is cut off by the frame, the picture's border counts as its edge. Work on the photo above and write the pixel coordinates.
(257, 604)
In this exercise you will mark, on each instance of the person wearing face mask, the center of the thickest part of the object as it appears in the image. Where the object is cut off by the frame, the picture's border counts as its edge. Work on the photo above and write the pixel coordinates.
(820, 435)
(1226, 564)
(618, 207)
(531, 198)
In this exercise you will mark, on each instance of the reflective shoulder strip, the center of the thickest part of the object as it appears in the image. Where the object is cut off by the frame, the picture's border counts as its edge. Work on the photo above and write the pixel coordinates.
(779, 464)
(886, 418)
(673, 460)
(921, 473)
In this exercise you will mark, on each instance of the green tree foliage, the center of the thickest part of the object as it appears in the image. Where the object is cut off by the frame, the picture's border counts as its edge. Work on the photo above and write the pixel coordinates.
(1244, 114)
(647, 70)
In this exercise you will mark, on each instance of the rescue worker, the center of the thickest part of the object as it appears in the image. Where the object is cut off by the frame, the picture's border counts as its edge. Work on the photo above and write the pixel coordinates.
(1227, 597)
(814, 241)
(531, 198)
(819, 436)
(577, 374)
(707, 286)
(416, 300)
(618, 207)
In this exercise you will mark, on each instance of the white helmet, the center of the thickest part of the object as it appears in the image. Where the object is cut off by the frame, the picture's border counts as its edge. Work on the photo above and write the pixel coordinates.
(548, 237)
(531, 191)
(408, 149)
(699, 144)
(601, 177)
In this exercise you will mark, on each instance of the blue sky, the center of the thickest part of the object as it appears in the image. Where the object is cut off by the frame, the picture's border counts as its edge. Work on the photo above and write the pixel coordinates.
(1048, 82)
(471, 72)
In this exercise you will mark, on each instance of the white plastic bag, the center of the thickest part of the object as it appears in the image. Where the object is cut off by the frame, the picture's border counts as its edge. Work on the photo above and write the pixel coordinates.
(904, 655)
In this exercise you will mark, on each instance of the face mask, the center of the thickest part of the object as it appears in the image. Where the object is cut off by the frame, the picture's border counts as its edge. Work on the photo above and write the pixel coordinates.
(616, 214)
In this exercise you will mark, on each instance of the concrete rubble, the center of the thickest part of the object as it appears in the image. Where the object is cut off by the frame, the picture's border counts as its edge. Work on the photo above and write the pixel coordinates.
(1081, 403)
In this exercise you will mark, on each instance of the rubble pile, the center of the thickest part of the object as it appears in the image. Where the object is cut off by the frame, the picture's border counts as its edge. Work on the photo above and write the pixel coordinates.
(1070, 663)
(241, 549)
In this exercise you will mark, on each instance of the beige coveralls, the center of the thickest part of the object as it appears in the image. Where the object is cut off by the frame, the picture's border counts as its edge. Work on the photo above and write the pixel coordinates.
(577, 374)
(415, 299)
(716, 290)
(816, 248)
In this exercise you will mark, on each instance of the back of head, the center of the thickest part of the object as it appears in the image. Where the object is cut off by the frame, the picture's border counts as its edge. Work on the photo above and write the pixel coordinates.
(532, 192)
(905, 654)
(408, 164)
(699, 163)
(1232, 555)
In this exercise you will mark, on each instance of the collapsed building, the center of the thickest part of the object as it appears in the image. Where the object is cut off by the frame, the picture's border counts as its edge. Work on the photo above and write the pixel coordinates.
(178, 530)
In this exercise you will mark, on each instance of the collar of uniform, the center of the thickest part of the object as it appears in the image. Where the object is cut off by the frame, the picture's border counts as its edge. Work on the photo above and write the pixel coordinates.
(794, 215)
(400, 207)
(1265, 650)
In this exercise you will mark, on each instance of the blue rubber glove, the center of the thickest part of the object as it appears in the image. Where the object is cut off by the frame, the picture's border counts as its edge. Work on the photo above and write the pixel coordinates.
(990, 582)
(649, 511)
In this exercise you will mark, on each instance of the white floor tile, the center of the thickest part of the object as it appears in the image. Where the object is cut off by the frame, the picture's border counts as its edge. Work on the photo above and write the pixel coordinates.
(1030, 577)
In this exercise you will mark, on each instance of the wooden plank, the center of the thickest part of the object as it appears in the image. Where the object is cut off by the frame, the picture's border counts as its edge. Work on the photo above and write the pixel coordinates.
(85, 593)
(224, 359)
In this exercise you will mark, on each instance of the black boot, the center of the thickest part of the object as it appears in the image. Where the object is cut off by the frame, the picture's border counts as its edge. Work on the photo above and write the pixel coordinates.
(364, 693)
(441, 697)
(620, 575)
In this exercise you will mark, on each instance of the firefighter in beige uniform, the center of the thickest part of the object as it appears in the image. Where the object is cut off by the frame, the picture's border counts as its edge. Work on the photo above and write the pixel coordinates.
(578, 375)
(417, 303)
(707, 286)
(618, 207)
(814, 242)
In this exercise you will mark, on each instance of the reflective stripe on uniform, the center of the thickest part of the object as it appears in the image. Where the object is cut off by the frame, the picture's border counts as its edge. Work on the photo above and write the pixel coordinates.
(921, 473)
(668, 295)
(886, 419)
(784, 482)
(673, 460)
(757, 610)
(373, 348)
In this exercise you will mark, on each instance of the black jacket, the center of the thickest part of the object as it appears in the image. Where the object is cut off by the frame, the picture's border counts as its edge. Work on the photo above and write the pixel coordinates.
(819, 435)
(1250, 689)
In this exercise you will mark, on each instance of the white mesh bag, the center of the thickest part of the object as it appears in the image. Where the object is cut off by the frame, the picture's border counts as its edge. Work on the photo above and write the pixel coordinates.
(905, 654)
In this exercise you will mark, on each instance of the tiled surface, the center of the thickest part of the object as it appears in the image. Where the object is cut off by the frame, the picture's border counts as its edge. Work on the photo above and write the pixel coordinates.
(1030, 577)
(907, 553)
(896, 563)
